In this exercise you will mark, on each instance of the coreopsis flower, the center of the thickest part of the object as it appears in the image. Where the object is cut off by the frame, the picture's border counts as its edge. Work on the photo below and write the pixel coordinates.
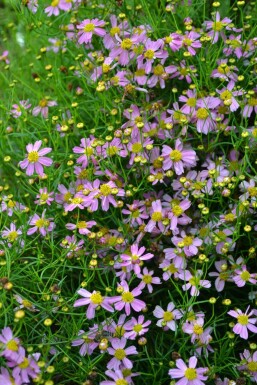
(189, 375)
(128, 299)
(4, 57)
(188, 243)
(117, 378)
(11, 348)
(53, 8)
(245, 322)
(86, 150)
(65, 194)
(196, 329)
(44, 197)
(223, 275)
(35, 159)
(82, 226)
(134, 328)
(167, 318)
(86, 342)
(205, 114)
(242, 275)
(157, 216)
(88, 27)
(72, 245)
(12, 234)
(225, 71)
(17, 109)
(174, 40)
(135, 257)
(194, 282)
(93, 300)
(147, 279)
(43, 107)
(137, 213)
(120, 354)
(215, 28)
(32, 5)
(250, 105)
(178, 158)
(123, 49)
(153, 50)
(227, 95)
(24, 304)
(41, 224)
(190, 42)
(249, 363)
(11, 206)
(7, 379)
(25, 368)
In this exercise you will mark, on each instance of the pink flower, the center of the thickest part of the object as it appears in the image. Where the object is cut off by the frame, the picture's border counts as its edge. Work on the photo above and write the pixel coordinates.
(190, 41)
(88, 27)
(127, 299)
(135, 328)
(216, 27)
(188, 375)
(82, 226)
(7, 379)
(178, 158)
(44, 197)
(86, 150)
(94, 300)
(157, 216)
(11, 344)
(249, 361)
(43, 107)
(244, 322)
(35, 159)
(54, 8)
(223, 275)
(40, 224)
(153, 50)
(168, 317)
(18, 109)
(242, 276)
(135, 258)
(148, 280)
(120, 354)
(117, 377)
(188, 243)
(86, 342)
(194, 282)
(12, 234)
(27, 368)
(4, 57)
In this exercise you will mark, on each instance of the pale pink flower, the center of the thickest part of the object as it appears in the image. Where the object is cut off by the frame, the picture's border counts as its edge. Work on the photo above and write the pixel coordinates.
(128, 299)
(11, 344)
(194, 282)
(40, 224)
(44, 197)
(178, 158)
(18, 109)
(86, 342)
(120, 354)
(216, 27)
(43, 107)
(148, 280)
(167, 318)
(244, 322)
(242, 276)
(94, 300)
(7, 379)
(88, 27)
(35, 159)
(134, 258)
(188, 375)
(249, 363)
(82, 226)
(157, 216)
(135, 328)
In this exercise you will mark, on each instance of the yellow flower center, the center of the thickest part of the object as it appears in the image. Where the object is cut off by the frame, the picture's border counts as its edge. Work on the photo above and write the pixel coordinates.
(217, 26)
(44, 196)
(26, 303)
(126, 44)
(168, 316)
(172, 269)
(156, 216)
(242, 319)
(42, 223)
(188, 240)
(230, 217)
(190, 374)
(105, 190)
(140, 72)
(136, 147)
(191, 102)
(252, 191)
(11, 204)
(147, 278)
(96, 298)
(149, 54)
(226, 95)
(183, 71)
(202, 113)
(127, 297)
(88, 151)
(194, 281)
(12, 345)
(137, 328)
(135, 214)
(121, 381)
(114, 31)
(89, 27)
(158, 70)
(120, 354)
(175, 155)
(198, 329)
(43, 102)
(177, 210)
(252, 366)
(187, 42)
(12, 236)
(82, 225)
(67, 197)
(112, 150)
(76, 201)
(245, 275)
(24, 364)
(252, 102)
(33, 157)
(224, 276)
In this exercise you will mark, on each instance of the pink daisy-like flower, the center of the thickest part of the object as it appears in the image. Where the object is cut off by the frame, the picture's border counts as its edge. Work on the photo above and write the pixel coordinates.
(157, 216)
(188, 243)
(82, 226)
(44, 197)
(148, 280)
(135, 257)
(35, 159)
(188, 375)
(244, 322)
(7, 379)
(11, 345)
(135, 328)
(40, 224)
(178, 158)
(25, 368)
(194, 282)
(127, 299)
(17, 109)
(89, 27)
(94, 300)
(120, 354)
(117, 378)
(86, 342)
(249, 363)
(43, 107)
(223, 275)
(215, 27)
(11, 234)
(168, 317)
(242, 276)
(54, 8)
